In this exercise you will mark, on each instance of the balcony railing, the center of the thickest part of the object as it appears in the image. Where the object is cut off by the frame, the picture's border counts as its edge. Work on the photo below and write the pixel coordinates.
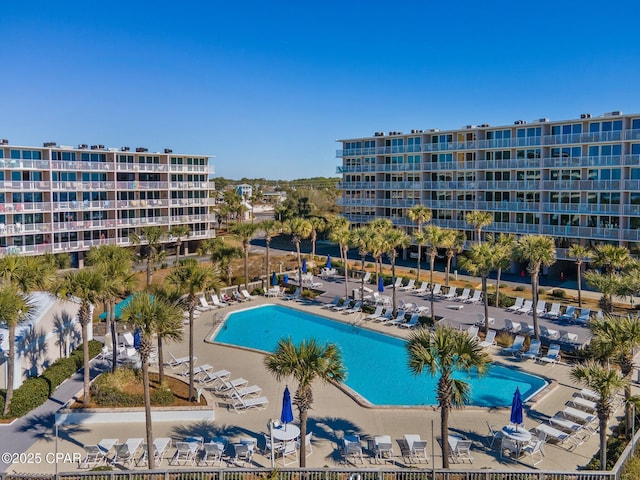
(140, 167)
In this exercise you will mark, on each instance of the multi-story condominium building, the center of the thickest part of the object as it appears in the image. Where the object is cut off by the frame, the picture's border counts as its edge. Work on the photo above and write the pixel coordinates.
(577, 180)
(64, 199)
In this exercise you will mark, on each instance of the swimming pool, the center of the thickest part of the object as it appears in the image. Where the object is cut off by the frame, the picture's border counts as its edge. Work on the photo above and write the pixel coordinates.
(376, 364)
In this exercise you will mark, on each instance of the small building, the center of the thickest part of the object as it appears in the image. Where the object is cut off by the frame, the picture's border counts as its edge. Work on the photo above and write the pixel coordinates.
(245, 190)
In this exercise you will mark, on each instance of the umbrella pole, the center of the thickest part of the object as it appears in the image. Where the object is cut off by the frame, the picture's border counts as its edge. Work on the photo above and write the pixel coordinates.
(271, 435)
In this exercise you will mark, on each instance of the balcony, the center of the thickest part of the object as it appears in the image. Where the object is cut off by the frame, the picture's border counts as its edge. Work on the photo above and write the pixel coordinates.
(29, 207)
(136, 185)
(586, 185)
(13, 164)
(140, 167)
(189, 168)
(32, 186)
(189, 185)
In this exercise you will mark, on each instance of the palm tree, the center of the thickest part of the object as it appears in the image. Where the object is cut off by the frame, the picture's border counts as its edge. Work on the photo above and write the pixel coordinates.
(168, 328)
(179, 231)
(393, 239)
(605, 382)
(376, 242)
(608, 284)
(318, 224)
(221, 255)
(419, 214)
(361, 239)
(433, 238)
(480, 261)
(617, 339)
(342, 236)
(306, 362)
(503, 247)
(539, 251)
(299, 229)
(478, 220)
(440, 353)
(152, 236)
(116, 265)
(581, 254)
(269, 228)
(14, 309)
(610, 258)
(142, 312)
(88, 286)
(191, 278)
(453, 242)
(244, 232)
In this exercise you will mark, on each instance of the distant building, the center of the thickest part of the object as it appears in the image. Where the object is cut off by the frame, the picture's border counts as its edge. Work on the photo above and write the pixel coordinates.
(56, 199)
(245, 191)
(575, 180)
(274, 197)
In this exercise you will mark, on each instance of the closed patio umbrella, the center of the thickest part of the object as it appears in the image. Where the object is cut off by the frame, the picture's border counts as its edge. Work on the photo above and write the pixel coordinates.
(274, 279)
(304, 265)
(516, 409)
(328, 261)
(136, 339)
(287, 410)
(380, 284)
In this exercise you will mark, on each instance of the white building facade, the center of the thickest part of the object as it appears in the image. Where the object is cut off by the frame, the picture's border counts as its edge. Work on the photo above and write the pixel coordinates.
(576, 180)
(65, 199)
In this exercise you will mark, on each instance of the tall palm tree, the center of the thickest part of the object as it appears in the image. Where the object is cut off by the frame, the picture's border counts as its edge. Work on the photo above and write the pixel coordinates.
(480, 260)
(152, 236)
(142, 313)
(14, 309)
(433, 238)
(608, 284)
(116, 265)
(299, 229)
(582, 254)
(606, 382)
(610, 258)
(270, 228)
(221, 255)
(190, 278)
(306, 362)
(361, 239)
(244, 232)
(168, 328)
(538, 251)
(393, 239)
(453, 242)
(88, 286)
(179, 232)
(617, 339)
(419, 215)
(440, 353)
(478, 220)
(342, 236)
(318, 224)
(376, 242)
(503, 246)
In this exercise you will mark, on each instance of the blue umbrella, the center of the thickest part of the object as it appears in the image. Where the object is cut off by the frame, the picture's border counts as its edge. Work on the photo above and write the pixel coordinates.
(380, 284)
(274, 279)
(516, 409)
(304, 265)
(287, 411)
(136, 339)
(328, 261)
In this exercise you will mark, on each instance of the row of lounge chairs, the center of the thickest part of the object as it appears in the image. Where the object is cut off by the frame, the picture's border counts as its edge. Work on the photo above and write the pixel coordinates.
(240, 395)
(522, 306)
(517, 349)
(523, 328)
(412, 449)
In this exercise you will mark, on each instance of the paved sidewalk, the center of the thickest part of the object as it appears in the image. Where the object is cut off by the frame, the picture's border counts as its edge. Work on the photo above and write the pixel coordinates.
(20, 435)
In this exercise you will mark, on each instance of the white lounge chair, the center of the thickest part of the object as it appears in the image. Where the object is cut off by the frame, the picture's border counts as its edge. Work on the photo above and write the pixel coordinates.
(576, 430)
(295, 296)
(400, 314)
(185, 452)
(489, 340)
(476, 298)
(204, 306)
(465, 295)
(385, 317)
(247, 295)
(553, 355)
(334, 303)
(238, 393)
(569, 314)
(437, 289)
(548, 333)
(553, 433)
(584, 404)
(516, 346)
(461, 450)
(126, 340)
(535, 451)
(584, 317)
(510, 326)
(585, 417)
(239, 297)
(422, 289)
(569, 337)
(224, 385)
(516, 306)
(354, 309)
(375, 314)
(417, 448)
(241, 405)
(526, 329)
(345, 306)
(408, 286)
(93, 457)
(472, 331)
(534, 350)
(541, 307)
(216, 301)
(451, 294)
(178, 362)
(396, 284)
(126, 453)
(554, 312)
(352, 448)
(383, 447)
(213, 453)
(527, 307)
(414, 321)
(210, 379)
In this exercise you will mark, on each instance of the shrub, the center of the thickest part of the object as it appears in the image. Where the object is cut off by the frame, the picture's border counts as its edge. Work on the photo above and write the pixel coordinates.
(503, 285)
(541, 291)
(520, 288)
(57, 373)
(32, 393)
(412, 271)
(505, 301)
(558, 293)
(504, 339)
(162, 396)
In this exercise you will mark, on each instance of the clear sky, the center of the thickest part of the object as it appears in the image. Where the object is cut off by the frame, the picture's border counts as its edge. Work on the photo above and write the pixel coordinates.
(267, 87)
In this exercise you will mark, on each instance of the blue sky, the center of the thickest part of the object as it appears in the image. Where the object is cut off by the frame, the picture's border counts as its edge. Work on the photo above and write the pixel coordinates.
(268, 86)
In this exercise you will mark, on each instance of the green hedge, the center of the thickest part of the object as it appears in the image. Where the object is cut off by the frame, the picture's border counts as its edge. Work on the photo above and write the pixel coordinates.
(35, 391)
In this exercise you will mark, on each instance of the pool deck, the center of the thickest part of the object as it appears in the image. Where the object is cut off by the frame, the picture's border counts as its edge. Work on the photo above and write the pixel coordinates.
(335, 413)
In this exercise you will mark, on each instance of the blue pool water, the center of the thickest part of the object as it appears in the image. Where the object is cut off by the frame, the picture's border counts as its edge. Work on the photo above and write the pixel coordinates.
(376, 364)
